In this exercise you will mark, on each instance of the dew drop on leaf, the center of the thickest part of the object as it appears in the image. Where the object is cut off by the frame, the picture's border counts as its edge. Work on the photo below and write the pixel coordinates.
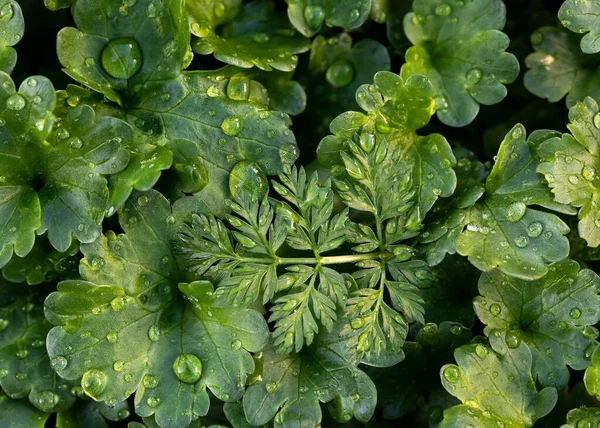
(589, 173)
(473, 76)
(150, 381)
(118, 365)
(314, 16)
(443, 9)
(238, 89)
(153, 401)
(521, 241)
(535, 229)
(340, 73)
(121, 58)
(261, 37)
(573, 179)
(112, 337)
(481, 351)
(231, 125)
(46, 400)
(495, 309)
(187, 368)
(452, 374)
(58, 363)
(154, 333)
(6, 12)
(357, 323)
(93, 382)
(590, 332)
(575, 313)
(513, 340)
(271, 387)
(15, 102)
(90, 62)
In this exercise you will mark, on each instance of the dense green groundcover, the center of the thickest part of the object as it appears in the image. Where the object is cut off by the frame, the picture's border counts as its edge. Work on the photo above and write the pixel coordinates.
(299, 213)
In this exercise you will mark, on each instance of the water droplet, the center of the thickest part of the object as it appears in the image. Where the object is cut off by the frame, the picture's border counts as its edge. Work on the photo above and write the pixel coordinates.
(58, 363)
(473, 76)
(7, 12)
(22, 354)
(535, 229)
(238, 88)
(537, 38)
(589, 350)
(340, 73)
(170, 220)
(517, 133)
(495, 309)
(357, 323)
(573, 179)
(261, 37)
(121, 58)
(231, 125)
(456, 329)
(118, 366)
(513, 339)
(562, 325)
(443, 9)
(142, 200)
(589, 173)
(169, 48)
(112, 337)
(153, 401)
(150, 381)
(90, 62)
(271, 387)
(521, 241)
(154, 333)
(451, 374)
(93, 382)
(236, 344)
(15, 102)
(481, 351)
(314, 16)
(575, 313)
(187, 368)
(46, 400)
(515, 211)
(354, 15)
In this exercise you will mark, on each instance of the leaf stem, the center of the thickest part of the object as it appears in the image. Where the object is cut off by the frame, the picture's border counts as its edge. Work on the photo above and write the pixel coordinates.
(327, 260)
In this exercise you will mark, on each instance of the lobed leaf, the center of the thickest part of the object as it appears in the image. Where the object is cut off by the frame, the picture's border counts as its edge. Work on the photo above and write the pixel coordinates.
(309, 16)
(12, 28)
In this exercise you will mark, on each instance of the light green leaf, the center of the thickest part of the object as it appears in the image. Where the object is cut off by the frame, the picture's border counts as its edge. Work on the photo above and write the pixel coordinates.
(591, 377)
(12, 28)
(558, 68)
(259, 37)
(308, 16)
(25, 368)
(554, 316)
(572, 162)
(292, 386)
(20, 414)
(503, 231)
(495, 385)
(125, 327)
(582, 17)
(212, 13)
(460, 49)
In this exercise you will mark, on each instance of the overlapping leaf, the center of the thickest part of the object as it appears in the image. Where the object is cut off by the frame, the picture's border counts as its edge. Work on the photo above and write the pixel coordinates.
(572, 162)
(20, 413)
(583, 417)
(495, 385)
(12, 28)
(554, 316)
(503, 231)
(459, 46)
(558, 68)
(124, 328)
(291, 387)
(308, 16)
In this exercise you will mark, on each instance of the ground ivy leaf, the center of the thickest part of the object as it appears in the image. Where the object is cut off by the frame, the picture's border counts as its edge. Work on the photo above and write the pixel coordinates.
(554, 316)
(396, 108)
(20, 414)
(558, 68)
(495, 385)
(572, 162)
(581, 17)
(582, 417)
(25, 368)
(502, 230)
(129, 296)
(257, 38)
(293, 385)
(464, 77)
(12, 28)
(110, 53)
(43, 264)
(309, 16)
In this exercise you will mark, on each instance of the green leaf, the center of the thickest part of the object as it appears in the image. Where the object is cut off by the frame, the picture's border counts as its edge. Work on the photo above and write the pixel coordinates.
(554, 316)
(43, 264)
(558, 68)
(259, 37)
(111, 54)
(212, 13)
(125, 328)
(592, 375)
(581, 17)
(309, 16)
(20, 414)
(464, 77)
(25, 368)
(292, 386)
(285, 94)
(585, 416)
(572, 162)
(12, 28)
(402, 386)
(495, 386)
(503, 231)
(395, 110)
